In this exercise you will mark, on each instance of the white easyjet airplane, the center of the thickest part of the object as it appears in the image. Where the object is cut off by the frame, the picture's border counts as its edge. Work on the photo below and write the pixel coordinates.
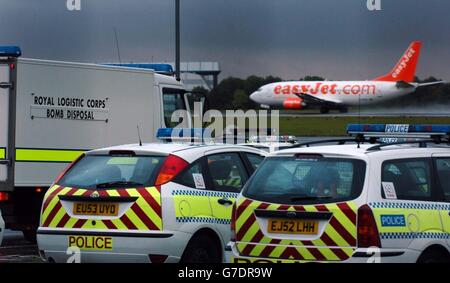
(341, 94)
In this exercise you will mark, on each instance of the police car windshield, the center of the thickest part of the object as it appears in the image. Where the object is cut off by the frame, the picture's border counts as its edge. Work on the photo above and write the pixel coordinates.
(103, 172)
(291, 180)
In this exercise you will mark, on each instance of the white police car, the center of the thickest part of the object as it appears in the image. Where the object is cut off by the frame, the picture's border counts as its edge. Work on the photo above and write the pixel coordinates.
(145, 203)
(357, 202)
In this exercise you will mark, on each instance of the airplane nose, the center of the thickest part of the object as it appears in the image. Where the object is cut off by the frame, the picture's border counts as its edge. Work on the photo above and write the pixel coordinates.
(254, 96)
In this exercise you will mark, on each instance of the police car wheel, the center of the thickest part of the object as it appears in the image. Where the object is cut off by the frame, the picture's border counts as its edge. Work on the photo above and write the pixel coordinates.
(201, 249)
(434, 256)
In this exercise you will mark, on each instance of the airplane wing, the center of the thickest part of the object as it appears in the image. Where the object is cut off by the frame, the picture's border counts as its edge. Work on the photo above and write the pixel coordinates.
(432, 83)
(312, 99)
(403, 84)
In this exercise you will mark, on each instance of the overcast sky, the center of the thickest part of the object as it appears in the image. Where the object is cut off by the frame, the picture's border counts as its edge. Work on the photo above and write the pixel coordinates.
(288, 38)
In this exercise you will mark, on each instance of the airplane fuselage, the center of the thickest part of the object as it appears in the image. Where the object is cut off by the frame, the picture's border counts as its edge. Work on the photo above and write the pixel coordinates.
(347, 93)
(340, 94)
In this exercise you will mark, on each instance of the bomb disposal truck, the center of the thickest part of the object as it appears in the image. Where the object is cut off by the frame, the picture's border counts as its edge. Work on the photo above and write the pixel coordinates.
(51, 112)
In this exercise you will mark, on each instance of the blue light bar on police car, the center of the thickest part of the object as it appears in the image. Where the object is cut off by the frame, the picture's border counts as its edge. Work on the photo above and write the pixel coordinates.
(10, 51)
(398, 130)
(269, 139)
(183, 134)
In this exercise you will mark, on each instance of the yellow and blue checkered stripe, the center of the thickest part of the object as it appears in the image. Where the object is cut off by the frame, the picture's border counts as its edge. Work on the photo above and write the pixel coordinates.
(414, 235)
(201, 193)
(410, 205)
(211, 220)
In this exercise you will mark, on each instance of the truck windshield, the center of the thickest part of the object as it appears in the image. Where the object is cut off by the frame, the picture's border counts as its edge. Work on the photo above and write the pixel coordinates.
(99, 172)
(173, 99)
(293, 180)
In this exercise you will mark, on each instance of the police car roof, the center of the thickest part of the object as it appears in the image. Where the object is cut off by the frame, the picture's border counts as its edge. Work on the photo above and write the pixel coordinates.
(186, 150)
(347, 150)
(146, 147)
(352, 150)
(268, 146)
(269, 143)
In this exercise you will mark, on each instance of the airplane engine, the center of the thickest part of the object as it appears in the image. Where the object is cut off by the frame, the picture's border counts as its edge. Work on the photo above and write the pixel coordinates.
(293, 103)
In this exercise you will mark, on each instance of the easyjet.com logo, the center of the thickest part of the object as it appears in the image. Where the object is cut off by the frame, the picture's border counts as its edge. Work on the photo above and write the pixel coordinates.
(403, 63)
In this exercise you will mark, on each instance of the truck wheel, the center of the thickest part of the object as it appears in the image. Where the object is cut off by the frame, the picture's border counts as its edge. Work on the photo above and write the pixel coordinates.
(434, 256)
(30, 236)
(201, 249)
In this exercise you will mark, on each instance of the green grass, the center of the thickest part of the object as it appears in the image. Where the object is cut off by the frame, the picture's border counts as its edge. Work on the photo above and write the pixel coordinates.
(336, 126)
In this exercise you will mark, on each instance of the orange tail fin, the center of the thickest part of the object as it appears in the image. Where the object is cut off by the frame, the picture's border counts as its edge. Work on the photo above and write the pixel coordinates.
(405, 69)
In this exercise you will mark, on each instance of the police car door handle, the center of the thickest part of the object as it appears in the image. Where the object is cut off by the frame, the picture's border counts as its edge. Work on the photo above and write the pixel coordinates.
(224, 201)
(6, 85)
(5, 162)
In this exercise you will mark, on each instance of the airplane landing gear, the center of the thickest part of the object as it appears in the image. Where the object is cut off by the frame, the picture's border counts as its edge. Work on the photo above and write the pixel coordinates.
(343, 110)
(324, 110)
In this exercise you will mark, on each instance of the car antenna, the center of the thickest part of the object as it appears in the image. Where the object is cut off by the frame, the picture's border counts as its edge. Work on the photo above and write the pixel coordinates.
(117, 45)
(359, 116)
(139, 136)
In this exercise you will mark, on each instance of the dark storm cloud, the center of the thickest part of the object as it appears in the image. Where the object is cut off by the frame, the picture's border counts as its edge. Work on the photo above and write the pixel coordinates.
(288, 38)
